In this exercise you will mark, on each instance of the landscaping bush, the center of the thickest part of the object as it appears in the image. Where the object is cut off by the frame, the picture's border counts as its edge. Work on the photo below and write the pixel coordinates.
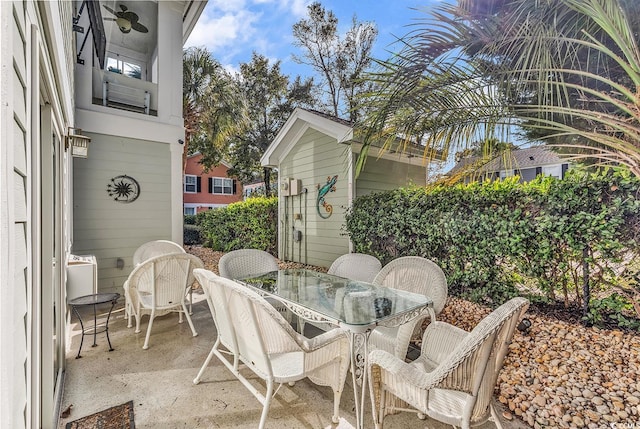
(562, 239)
(190, 219)
(191, 234)
(248, 224)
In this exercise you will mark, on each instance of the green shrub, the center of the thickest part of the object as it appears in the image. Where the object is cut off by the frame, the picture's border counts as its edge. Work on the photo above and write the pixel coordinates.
(248, 224)
(497, 239)
(192, 235)
(190, 219)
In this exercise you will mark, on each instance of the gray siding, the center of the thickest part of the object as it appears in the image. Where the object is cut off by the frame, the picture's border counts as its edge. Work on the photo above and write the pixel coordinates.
(314, 158)
(384, 175)
(109, 229)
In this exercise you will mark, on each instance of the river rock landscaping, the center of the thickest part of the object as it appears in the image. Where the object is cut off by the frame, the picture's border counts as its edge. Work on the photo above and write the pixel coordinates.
(557, 374)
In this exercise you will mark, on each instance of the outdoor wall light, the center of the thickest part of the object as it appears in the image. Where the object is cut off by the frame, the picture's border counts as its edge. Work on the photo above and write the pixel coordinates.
(79, 144)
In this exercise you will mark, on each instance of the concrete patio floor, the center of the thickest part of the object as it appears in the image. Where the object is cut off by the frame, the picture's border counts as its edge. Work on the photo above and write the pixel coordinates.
(160, 382)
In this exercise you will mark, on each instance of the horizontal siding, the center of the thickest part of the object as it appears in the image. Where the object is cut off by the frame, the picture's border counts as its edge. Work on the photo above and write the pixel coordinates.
(384, 175)
(109, 229)
(19, 151)
(315, 158)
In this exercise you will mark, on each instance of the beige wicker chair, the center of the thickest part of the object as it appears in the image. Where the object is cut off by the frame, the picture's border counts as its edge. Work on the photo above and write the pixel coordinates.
(453, 379)
(159, 285)
(258, 336)
(412, 274)
(356, 266)
(147, 251)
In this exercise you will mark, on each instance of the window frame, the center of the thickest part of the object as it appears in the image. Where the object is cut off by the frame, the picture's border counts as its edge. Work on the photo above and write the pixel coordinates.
(194, 184)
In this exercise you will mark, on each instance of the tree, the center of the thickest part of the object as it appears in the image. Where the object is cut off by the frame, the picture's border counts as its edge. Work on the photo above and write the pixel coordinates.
(340, 62)
(270, 100)
(211, 109)
(568, 70)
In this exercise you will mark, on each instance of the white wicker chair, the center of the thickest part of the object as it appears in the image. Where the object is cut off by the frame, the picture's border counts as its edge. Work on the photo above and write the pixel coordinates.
(412, 274)
(257, 335)
(159, 285)
(453, 379)
(155, 248)
(147, 251)
(249, 262)
(356, 266)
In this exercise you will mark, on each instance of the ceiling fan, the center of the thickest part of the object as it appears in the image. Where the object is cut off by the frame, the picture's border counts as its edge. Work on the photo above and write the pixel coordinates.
(126, 20)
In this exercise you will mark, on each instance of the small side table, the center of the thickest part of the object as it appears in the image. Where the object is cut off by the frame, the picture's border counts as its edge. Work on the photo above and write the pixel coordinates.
(96, 299)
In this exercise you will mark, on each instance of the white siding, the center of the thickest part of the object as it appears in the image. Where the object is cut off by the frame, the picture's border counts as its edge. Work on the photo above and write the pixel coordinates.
(109, 229)
(314, 158)
(14, 198)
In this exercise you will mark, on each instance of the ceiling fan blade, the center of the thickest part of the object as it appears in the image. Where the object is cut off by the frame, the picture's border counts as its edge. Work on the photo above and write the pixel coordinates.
(109, 9)
(123, 7)
(139, 27)
(109, 19)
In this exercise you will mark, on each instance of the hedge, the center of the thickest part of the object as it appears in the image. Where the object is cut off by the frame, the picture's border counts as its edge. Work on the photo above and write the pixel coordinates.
(558, 239)
(248, 224)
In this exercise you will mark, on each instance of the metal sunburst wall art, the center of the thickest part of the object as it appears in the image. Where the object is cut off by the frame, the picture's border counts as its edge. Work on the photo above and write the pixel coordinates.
(124, 189)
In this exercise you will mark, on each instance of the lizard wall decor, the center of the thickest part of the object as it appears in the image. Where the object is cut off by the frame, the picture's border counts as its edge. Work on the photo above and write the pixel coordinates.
(330, 186)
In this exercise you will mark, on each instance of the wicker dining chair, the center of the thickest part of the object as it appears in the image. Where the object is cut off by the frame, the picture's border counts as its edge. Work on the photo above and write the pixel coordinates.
(453, 379)
(253, 333)
(159, 285)
(248, 262)
(412, 274)
(146, 251)
(356, 266)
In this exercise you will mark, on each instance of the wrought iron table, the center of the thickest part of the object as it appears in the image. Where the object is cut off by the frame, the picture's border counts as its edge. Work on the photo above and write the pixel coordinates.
(355, 306)
(95, 300)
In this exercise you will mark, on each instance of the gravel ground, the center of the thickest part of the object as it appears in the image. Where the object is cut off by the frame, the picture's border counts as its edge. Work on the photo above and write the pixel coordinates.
(557, 374)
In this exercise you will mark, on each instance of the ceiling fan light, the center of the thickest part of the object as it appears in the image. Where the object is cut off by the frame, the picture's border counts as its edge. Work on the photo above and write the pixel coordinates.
(124, 25)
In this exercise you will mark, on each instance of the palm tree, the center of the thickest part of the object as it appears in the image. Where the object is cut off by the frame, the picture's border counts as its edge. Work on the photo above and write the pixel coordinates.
(212, 110)
(567, 70)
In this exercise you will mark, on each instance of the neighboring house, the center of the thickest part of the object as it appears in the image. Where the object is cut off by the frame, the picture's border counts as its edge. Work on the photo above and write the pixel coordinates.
(315, 157)
(526, 163)
(207, 190)
(54, 81)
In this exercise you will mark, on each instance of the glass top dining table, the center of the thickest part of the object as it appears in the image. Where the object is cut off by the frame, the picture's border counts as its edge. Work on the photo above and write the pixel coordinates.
(357, 307)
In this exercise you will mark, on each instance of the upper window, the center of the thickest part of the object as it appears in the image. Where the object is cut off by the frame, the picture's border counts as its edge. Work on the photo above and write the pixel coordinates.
(219, 185)
(116, 65)
(190, 183)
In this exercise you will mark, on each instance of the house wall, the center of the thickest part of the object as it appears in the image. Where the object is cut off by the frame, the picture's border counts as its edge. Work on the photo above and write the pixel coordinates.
(313, 159)
(36, 108)
(109, 229)
(204, 199)
(385, 175)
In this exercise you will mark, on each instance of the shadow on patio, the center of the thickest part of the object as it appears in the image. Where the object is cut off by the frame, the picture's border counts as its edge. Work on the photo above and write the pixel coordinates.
(159, 381)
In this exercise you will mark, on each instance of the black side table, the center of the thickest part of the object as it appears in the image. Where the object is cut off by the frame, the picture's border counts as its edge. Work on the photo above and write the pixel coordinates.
(97, 299)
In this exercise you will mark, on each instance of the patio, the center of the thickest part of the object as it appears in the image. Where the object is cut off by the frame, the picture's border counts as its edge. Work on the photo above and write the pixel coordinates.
(159, 381)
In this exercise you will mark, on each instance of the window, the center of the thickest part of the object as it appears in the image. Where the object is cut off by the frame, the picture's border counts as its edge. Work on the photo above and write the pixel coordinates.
(189, 210)
(190, 183)
(220, 185)
(116, 65)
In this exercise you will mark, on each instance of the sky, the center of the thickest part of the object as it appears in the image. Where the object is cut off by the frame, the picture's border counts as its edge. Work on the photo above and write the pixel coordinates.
(233, 29)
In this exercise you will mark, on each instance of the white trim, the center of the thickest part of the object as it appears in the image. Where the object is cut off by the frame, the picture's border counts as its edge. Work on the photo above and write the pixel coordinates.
(299, 121)
(195, 184)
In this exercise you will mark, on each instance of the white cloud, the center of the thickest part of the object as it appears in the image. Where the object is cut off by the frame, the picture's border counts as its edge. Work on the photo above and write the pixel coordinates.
(222, 31)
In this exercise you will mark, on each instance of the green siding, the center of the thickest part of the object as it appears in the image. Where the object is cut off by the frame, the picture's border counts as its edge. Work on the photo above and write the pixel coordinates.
(384, 175)
(315, 157)
(109, 229)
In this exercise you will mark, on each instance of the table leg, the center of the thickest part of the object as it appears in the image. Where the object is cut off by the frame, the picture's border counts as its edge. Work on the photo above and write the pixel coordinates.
(106, 325)
(75, 310)
(359, 354)
(95, 324)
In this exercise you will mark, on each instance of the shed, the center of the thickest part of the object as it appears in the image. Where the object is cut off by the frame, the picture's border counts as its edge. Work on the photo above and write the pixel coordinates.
(315, 156)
